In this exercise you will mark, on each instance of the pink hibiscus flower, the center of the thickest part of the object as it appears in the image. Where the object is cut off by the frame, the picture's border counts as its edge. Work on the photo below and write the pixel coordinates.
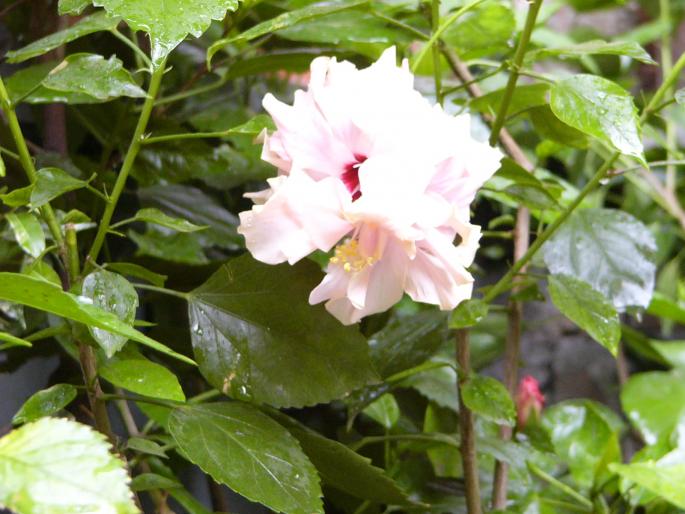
(369, 168)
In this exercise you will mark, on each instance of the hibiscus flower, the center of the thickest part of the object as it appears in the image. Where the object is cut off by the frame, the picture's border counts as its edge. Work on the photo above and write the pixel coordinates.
(369, 169)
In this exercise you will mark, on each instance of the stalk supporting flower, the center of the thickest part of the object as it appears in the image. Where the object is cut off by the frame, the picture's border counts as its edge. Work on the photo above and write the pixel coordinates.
(369, 170)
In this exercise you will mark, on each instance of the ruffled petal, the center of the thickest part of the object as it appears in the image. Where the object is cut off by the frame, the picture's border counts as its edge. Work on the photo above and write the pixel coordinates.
(299, 216)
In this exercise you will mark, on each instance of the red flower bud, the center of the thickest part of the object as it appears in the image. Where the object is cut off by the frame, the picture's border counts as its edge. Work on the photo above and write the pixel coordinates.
(529, 400)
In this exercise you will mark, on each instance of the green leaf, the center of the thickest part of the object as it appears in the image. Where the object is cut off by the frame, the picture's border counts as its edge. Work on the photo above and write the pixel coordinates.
(485, 30)
(112, 293)
(525, 97)
(239, 446)
(672, 351)
(582, 438)
(522, 186)
(142, 445)
(130, 370)
(192, 204)
(610, 250)
(92, 75)
(157, 217)
(587, 308)
(384, 410)
(663, 307)
(27, 231)
(135, 270)
(468, 313)
(255, 126)
(73, 7)
(661, 479)
(600, 108)
(17, 197)
(342, 27)
(182, 247)
(48, 297)
(10, 341)
(407, 341)
(342, 468)
(597, 46)
(94, 23)
(654, 402)
(168, 22)
(548, 126)
(26, 85)
(51, 183)
(150, 481)
(489, 399)
(249, 346)
(45, 403)
(437, 384)
(283, 21)
(60, 466)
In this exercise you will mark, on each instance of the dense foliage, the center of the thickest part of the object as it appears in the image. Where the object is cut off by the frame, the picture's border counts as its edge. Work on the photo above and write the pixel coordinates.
(128, 140)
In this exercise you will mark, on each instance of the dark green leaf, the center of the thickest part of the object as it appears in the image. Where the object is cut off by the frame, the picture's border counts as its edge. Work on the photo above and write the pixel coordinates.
(285, 20)
(28, 232)
(522, 186)
(249, 346)
(134, 270)
(112, 293)
(17, 197)
(181, 247)
(468, 313)
(485, 30)
(342, 27)
(663, 307)
(26, 85)
(672, 351)
(343, 468)
(408, 341)
(655, 403)
(157, 217)
(597, 46)
(59, 466)
(600, 108)
(192, 204)
(437, 384)
(489, 399)
(550, 127)
(92, 75)
(142, 445)
(51, 183)
(384, 410)
(239, 446)
(130, 370)
(587, 308)
(525, 97)
(45, 403)
(94, 23)
(48, 297)
(610, 250)
(150, 481)
(168, 22)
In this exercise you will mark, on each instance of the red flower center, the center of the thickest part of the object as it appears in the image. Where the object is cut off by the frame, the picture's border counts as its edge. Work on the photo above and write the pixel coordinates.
(350, 176)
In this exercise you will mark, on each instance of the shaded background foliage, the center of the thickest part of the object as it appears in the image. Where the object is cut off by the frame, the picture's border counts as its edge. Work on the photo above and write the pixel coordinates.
(613, 269)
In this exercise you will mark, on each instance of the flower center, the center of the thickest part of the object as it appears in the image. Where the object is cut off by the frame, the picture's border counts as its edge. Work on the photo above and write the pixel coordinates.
(350, 176)
(349, 257)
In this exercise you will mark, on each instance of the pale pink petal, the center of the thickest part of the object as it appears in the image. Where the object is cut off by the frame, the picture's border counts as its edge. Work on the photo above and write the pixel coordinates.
(299, 217)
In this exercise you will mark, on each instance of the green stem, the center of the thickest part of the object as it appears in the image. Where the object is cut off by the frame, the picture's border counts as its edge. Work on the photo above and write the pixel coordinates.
(560, 485)
(49, 332)
(188, 135)
(669, 81)
(130, 158)
(137, 51)
(27, 162)
(666, 67)
(498, 123)
(203, 397)
(504, 282)
(193, 92)
(428, 438)
(162, 403)
(9, 153)
(416, 32)
(437, 71)
(163, 290)
(72, 253)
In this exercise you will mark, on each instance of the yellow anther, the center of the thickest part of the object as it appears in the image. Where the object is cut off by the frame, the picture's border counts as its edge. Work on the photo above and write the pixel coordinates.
(348, 255)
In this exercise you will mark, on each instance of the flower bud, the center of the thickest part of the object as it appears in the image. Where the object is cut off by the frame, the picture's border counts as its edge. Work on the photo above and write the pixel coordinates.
(529, 401)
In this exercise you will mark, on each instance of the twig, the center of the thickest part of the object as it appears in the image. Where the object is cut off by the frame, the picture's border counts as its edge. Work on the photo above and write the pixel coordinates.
(467, 431)
(95, 396)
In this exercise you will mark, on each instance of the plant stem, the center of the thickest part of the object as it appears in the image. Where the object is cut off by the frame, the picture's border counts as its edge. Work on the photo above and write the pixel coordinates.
(188, 135)
(72, 252)
(130, 158)
(437, 72)
(560, 485)
(429, 438)
(467, 430)
(163, 290)
(95, 395)
(515, 67)
(137, 51)
(27, 163)
(666, 67)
